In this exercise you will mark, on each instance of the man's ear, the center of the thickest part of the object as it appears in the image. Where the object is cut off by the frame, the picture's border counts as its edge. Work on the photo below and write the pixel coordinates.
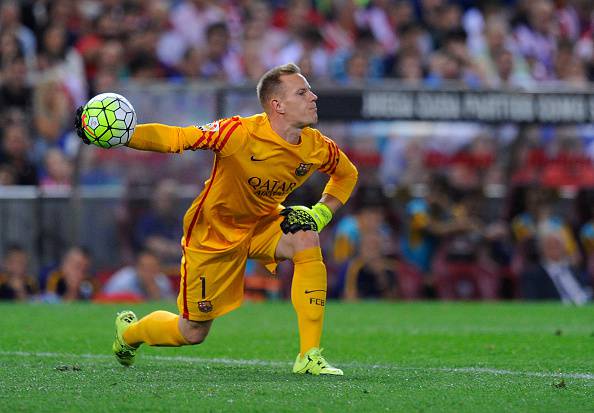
(277, 106)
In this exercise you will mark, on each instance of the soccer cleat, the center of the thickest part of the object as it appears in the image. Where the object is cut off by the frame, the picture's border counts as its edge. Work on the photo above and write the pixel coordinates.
(314, 363)
(123, 352)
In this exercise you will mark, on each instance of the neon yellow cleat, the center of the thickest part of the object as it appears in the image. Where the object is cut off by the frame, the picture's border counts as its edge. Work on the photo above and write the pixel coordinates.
(123, 352)
(314, 363)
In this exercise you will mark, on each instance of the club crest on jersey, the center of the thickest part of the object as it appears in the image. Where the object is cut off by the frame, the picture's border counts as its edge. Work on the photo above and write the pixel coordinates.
(205, 306)
(210, 127)
(303, 169)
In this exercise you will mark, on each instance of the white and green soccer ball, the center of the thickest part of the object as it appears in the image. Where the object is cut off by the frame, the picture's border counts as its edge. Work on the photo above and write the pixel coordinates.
(108, 120)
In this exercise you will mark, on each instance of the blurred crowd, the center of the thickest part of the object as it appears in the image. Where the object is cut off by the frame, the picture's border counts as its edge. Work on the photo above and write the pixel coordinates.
(444, 242)
(55, 54)
(427, 223)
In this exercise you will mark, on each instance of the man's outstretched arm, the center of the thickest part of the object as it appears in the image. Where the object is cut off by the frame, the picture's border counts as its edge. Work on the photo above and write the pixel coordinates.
(157, 137)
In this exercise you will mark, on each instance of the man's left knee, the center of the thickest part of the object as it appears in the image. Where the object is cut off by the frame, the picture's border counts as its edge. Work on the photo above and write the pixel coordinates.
(290, 244)
(303, 240)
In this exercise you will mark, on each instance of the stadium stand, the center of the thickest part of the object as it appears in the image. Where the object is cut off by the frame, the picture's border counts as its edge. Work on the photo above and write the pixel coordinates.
(184, 61)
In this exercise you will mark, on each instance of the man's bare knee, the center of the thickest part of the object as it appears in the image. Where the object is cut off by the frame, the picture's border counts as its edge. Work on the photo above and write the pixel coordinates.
(290, 244)
(305, 239)
(194, 332)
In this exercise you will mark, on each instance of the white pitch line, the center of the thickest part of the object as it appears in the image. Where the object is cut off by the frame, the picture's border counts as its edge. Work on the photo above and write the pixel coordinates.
(270, 363)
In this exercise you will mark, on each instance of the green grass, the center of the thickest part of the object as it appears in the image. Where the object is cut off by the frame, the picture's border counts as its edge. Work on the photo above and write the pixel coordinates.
(459, 357)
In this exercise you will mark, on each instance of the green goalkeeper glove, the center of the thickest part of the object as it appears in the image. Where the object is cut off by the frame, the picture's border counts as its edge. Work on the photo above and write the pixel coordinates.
(301, 218)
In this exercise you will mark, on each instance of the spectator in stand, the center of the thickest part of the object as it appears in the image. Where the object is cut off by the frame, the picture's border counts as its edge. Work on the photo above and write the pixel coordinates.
(536, 38)
(15, 90)
(145, 280)
(569, 68)
(113, 59)
(58, 170)
(357, 70)
(189, 19)
(377, 19)
(102, 28)
(364, 249)
(59, 61)
(553, 277)
(409, 69)
(141, 49)
(454, 43)
(72, 280)
(362, 64)
(340, 30)
(370, 274)
(15, 153)
(15, 281)
(443, 68)
(585, 212)
(307, 45)
(539, 212)
(262, 41)
(10, 48)
(220, 60)
(190, 65)
(460, 266)
(52, 117)
(429, 17)
(7, 175)
(497, 56)
(11, 23)
(157, 229)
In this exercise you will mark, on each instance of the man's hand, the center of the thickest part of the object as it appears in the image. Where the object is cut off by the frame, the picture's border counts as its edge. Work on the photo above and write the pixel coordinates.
(79, 126)
(301, 218)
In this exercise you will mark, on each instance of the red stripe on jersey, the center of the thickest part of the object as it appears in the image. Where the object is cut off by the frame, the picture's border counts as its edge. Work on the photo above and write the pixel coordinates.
(223, 127)
(207, 145)
(331, 156)
(186, 313)
(221, 130)
(199, 141)
(226, 138)
(214, 143)
(195, 217)
(325, 164)
(335, 162)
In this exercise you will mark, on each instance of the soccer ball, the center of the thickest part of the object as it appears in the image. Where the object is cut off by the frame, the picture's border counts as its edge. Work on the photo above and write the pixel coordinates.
(108, 120)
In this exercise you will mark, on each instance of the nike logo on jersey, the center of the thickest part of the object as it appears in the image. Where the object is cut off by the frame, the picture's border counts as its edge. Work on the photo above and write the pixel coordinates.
(312, 291)
(255, 159)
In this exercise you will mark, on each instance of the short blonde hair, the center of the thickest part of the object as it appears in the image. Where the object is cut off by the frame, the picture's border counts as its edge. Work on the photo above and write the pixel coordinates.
(270, 82)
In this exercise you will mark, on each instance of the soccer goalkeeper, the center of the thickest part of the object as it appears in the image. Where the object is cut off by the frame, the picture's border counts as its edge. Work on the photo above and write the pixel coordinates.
(259, 161)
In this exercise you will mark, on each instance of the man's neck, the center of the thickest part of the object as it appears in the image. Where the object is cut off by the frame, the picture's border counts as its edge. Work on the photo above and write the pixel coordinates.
(289, 133)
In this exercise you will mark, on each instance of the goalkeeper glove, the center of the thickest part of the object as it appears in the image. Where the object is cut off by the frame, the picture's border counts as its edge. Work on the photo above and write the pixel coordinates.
(301, 218)
(79, 126)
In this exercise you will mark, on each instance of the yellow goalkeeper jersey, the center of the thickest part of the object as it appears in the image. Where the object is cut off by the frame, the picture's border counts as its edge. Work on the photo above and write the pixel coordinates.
(253, 173)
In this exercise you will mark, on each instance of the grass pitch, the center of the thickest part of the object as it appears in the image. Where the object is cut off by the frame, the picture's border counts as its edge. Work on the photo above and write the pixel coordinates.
(402, 357)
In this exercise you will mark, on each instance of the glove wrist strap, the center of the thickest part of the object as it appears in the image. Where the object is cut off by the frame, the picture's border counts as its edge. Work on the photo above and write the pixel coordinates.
(324, 212)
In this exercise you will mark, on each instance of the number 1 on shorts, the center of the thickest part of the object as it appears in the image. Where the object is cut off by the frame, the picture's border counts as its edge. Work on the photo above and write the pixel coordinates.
(203, 281)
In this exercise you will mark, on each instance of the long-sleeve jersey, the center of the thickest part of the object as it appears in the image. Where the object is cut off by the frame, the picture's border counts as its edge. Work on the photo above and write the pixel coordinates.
(253, 173)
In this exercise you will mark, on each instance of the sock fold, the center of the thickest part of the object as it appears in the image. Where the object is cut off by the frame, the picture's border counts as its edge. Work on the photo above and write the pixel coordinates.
(159, 328)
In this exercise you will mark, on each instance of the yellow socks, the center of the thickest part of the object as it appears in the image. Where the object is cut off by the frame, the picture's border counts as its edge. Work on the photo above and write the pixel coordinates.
(159, 328)
(308, 294)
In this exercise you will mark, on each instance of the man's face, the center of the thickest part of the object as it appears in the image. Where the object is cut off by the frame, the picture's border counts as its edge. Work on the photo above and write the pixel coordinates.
(297, 102)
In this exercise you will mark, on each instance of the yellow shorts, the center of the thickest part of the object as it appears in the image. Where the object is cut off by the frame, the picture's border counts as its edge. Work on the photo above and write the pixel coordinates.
(212, 283)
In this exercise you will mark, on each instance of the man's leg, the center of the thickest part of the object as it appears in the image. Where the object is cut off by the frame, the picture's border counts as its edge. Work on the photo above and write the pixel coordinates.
(308, 294)
(162, 328)
(308, 290)
(159, 328)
